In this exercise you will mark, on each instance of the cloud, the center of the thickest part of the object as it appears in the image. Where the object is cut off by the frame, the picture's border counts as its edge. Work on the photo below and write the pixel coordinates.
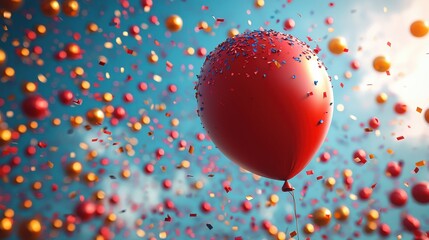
(409, 81)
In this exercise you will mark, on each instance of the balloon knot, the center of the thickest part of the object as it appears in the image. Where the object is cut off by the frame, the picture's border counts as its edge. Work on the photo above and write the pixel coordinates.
(287, 187)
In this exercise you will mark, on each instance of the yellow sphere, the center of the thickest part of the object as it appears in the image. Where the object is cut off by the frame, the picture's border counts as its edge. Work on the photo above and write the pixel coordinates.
(347, 173)
(2, 57)
(370, 227)
(71, 8)
(95, 116)
(372, 215)
(419, 28)
(322, 216)
(233, 32)
(308, 229)
(337, 45)
(10, 5)
(5, 136)
(427, 115)
(74, 169)
(381, 98)
(50, 7)
(330, 183)
(381, 64)
(342, 213)
(174, 23)
(6, 225)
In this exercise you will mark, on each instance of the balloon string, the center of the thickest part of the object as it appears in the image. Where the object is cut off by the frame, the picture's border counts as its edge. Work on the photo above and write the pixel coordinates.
(294, 211)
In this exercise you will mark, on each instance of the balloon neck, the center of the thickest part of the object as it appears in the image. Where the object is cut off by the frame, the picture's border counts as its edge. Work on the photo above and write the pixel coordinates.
(287, 187)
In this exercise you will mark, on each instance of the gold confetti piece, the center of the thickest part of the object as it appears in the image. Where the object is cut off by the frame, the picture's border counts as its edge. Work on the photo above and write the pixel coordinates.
(249, 197)
(406, 184)
(50, 164)
(353, 197)
(157, 78)
(419, 110)
(420, 163)
(191, 149)
(390, 151)
(42, 78)
(371, 156)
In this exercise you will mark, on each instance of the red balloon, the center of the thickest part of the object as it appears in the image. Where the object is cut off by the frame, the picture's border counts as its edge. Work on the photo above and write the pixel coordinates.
(324, 157)
(393, 169)
(119, 112)
(35, 106)
(66, 97)
(374, 123)
(410, 223)
(265, 100)
(289, 24)
(365, 193)
(420, 192)
(398, 197)
(400, 108)
(246, 206)
(359, 157)
(86, 210)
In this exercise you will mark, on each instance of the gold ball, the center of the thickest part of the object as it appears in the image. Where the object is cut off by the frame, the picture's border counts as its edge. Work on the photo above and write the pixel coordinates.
(342, 213)
(381, 64)
(308, 228)
(419, 28)
(76, 121)
(233, 32)
(92, 27)
(337, 45)
(73, 50)
(40, 29)
(259, 3)
(372, 215)
(370, 227)
(29, 87)
(381, 98)
(174, 23)
(91, 177)
(74, 168)
(2, 57)
(10, 5)
(6, 226)
(330, 183)
(95, 116)
(5, 136)
(203, 25)
(50, 8)
(322, 216)
(152, 58)
(71, 8)
(347, 173)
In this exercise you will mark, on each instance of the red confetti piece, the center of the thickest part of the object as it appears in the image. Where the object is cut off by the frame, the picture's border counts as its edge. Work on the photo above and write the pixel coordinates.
(373, 185)
(101, 63)
(389, 44)
(227, 189)
(168, 218)
(416, 170)
(319, 177)
(309, 172)
(293, 234)
(94, 139)
(309, 39)
(342, 85)
(400, 138)
(204, 8)
(191, 149)
(346, 50)
(238, 238)
(42, 144)
(193, 215)
(388, 73)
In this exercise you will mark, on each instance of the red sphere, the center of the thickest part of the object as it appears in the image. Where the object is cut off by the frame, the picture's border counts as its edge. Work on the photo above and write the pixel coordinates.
(365, 193)
(201, 52)
(374, 123)
(420, 192)
(35, 106)
(289, 24)
(146, 3)
(393, 169)
(275, 79)
(324, 157)
(149, 168)
(384, 230)
(329, 20)
(355, 65)
(167, 183)
(359, 157)
(246, 206)
(410, 223)
(66, 97)
(398, 197)
(119, 112)
(400, 108)
(206, 207)
(134, 30)
(85, 210)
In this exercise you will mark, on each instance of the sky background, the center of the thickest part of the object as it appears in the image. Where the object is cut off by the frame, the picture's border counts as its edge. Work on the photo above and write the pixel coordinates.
(367, 26)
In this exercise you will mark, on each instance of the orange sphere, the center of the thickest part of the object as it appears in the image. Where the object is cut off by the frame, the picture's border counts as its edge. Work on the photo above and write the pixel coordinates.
(370, 227)
(5, 136)
(427, 115)
(74, 168)
(337, 45)
(381, 98)
(2, 57)
(419, 28)
(73, 50)
(11, 5)
(95, 116)
(321, 216)
(6, 226)
(342, 213)
(30, 229)
(381, 64)
(372, 215)
(71, 8)
(330, 183)
(233, 32)
(50, 7)
(308, 229)
(174, 23)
